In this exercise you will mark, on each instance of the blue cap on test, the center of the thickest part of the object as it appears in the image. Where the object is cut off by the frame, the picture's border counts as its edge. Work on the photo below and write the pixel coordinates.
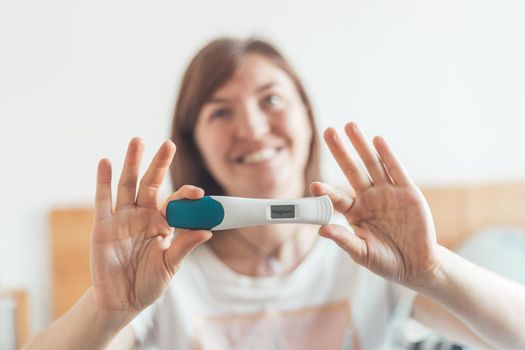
(195, 214)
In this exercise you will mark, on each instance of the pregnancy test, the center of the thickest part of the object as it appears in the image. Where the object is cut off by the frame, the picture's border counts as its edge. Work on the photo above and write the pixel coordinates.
(224, 212)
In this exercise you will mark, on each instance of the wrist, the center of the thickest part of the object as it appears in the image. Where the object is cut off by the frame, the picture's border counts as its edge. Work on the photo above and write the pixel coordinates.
(83, 326)
(435, 276)
(108, 320)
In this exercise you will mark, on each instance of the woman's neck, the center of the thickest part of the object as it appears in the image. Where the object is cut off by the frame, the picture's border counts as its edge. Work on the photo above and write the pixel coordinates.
(264, 250)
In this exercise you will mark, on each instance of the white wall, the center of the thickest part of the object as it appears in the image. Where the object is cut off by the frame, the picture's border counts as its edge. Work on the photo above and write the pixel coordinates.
(444, 81)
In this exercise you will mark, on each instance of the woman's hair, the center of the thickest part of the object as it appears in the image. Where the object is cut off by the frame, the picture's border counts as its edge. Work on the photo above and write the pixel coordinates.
(212, 67)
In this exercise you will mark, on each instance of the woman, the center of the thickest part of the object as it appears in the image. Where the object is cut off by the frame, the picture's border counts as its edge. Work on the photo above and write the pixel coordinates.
(244, 127)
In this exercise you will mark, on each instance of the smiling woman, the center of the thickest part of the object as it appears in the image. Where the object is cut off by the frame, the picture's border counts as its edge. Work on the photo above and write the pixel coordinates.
(244, 127)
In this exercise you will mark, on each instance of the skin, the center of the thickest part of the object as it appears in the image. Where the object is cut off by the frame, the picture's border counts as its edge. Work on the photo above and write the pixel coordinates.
(384, 200)
(135, 254)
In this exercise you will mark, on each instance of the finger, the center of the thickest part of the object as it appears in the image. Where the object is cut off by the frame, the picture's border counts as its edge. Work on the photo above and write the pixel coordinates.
(347, 240)
(181, 246)
(186, 191)
(127, 184)
(392, 164)
(152, 179)
(369, 157)
(341, 200)
(356, 176)
(103, 204)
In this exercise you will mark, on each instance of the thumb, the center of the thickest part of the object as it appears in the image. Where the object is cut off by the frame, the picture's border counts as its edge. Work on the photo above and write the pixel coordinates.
(347, 240)
(187, 192)
(182, 245)
(341, 200)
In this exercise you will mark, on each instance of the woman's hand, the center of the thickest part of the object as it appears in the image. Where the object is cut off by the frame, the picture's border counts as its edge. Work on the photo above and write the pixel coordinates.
(394, 234)
(133, 253)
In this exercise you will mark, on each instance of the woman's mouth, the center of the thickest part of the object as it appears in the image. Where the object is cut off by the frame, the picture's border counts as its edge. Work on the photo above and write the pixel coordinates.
(259, 156)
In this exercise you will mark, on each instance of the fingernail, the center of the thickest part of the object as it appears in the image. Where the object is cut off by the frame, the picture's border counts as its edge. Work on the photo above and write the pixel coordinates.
(354, 128)
(335, 136)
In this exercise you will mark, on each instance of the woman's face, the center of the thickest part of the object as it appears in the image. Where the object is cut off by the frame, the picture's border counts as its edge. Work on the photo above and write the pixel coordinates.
(254, 133)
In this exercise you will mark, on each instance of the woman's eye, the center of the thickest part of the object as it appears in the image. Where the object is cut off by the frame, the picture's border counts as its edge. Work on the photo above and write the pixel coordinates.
(273, 100)
(220, 113)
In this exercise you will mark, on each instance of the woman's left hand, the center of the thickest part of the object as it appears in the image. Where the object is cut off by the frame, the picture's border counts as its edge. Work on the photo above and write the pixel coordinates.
(394, 235)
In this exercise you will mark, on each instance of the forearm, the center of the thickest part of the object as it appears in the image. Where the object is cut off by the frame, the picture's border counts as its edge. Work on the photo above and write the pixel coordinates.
(440, 320)
(491, 305)
(84, 326)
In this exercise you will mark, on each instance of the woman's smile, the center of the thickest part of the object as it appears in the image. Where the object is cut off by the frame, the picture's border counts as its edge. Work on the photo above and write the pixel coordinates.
(259, 156)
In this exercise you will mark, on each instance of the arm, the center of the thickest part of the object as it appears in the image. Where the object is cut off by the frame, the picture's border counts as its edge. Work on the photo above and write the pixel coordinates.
(394, 237)
(84, 326)
(134, 254)
(491, 305)
(434, 316)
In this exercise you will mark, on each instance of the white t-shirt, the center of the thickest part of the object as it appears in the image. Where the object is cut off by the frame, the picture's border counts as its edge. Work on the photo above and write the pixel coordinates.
(327, 302)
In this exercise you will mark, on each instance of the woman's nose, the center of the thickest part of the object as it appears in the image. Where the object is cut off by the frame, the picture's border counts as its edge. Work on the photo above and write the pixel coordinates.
(252, 123)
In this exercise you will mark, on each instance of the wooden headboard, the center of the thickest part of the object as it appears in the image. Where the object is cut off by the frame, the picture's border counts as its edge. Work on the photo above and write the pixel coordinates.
(458, 211)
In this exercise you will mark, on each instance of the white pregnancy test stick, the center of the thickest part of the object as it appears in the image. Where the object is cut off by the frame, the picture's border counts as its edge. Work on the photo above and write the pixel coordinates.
(223, 212)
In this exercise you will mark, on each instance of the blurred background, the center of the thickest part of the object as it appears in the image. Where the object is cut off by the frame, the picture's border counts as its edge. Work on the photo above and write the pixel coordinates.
(443, 81)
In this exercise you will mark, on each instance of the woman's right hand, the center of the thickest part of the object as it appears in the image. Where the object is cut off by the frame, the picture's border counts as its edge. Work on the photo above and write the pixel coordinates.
(134, 253)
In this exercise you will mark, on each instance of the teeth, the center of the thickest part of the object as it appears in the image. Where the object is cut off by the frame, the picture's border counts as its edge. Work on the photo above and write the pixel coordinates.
(259, 156)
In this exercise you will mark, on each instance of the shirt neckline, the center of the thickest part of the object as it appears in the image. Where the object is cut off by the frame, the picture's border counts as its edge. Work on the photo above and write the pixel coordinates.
(213, 266)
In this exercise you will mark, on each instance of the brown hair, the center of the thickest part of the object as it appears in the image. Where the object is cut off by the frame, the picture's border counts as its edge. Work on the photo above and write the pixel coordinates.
(211, 67)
